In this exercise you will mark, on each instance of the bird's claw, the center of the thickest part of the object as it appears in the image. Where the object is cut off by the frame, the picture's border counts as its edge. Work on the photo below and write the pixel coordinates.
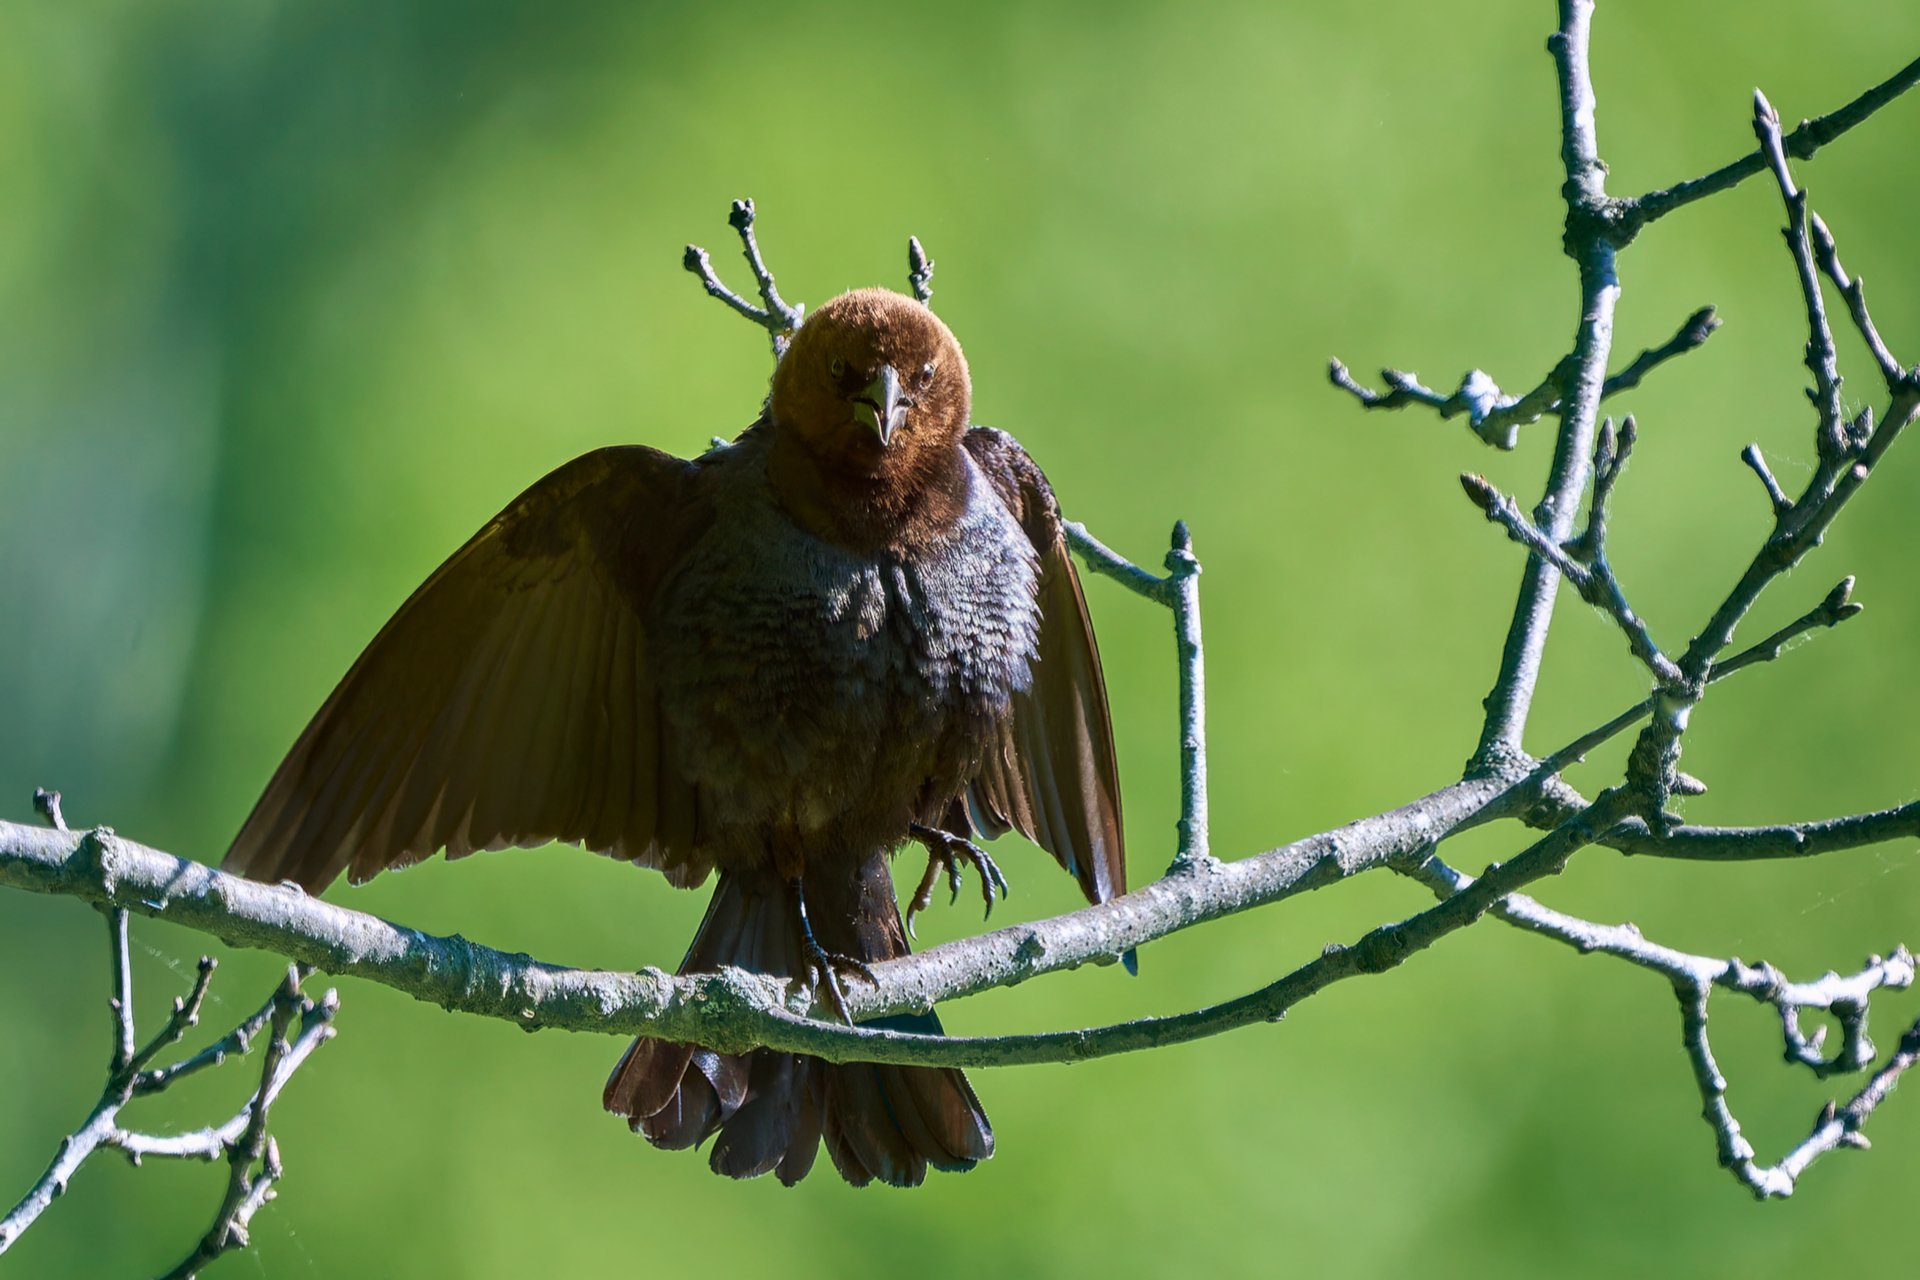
(824, 971)
(947, 851)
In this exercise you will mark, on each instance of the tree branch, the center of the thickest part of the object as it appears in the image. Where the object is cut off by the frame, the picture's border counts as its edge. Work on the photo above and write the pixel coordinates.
(730, 1011)
(1809, 137)
(1585, 195)
(242, 1140)
(1497, 417)
(776, 315)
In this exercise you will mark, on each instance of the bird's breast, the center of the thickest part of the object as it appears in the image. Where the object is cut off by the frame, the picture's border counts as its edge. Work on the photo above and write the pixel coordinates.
(802, 682)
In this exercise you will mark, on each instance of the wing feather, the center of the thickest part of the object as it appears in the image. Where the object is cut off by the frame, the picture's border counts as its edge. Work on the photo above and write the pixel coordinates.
(1053, 775)
(509, 701)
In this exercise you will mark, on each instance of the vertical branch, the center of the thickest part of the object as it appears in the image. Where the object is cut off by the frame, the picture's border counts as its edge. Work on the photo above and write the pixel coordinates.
(1587, 241)
(740, 218)
(1183, 581)
(121, 1001)
(1179, 591)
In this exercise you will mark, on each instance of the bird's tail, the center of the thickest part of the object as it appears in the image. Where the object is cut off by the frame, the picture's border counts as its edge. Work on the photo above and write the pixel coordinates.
(772, 1110)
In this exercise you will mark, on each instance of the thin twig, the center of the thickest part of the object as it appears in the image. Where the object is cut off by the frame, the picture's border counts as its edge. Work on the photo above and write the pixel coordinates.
(237, 1041)
(1183, 577)
(120, 1003)
(1694, 978)
(919, 271)
(1848, 453)
(1809, 137)
(1839, 1127)
(129, 1079)
(1776, 496)
(1595, 580)
(1846, 997)
(1822, 361)
(1693, 333)
(185, 1015)
(213, 1141)
(1109, 563)
(1497, 417)
(47, 804)
(1493, 415)
(1854, 290)
(247, 1190)
(776, 316)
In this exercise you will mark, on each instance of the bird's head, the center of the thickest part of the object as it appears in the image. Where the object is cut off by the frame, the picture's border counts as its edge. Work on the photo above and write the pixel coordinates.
(873, 384)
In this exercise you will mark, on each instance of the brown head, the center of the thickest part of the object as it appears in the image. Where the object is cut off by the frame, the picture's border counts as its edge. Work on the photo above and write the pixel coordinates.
(874, 388)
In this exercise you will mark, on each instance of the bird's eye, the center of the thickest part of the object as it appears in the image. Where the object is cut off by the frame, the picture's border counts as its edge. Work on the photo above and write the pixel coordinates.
(926, 373)
(838, 367)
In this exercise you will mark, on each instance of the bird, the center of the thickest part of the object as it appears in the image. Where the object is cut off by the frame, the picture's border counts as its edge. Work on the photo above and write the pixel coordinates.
(854, 625)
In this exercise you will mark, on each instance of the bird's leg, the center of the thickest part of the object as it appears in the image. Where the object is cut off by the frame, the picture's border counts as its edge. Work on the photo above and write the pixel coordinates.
(948, 851)
(824, 966)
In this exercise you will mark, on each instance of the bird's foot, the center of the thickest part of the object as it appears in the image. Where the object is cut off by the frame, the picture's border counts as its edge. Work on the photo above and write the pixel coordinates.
(826, 968)
(947, 851)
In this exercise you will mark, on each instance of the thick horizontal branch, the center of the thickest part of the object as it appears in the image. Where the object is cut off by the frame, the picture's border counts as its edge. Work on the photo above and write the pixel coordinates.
(729, 1010)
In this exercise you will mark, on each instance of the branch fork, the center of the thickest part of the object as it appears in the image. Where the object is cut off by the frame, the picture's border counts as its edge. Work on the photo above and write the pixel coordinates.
(298, 1026)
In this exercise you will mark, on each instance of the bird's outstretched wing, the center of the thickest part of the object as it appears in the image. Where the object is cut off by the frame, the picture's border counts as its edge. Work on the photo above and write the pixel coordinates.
(1052, 775)
(510, 701)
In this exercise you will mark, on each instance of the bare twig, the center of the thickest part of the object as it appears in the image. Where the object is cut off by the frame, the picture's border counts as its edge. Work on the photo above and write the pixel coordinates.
(185, 1015)
(120, 1003)
(47, 804)
(1822, 361)
(1693, 333)
(1107, 562)
(1183, 579)
(1837, 1127)
(776, 316)
(1848, 453)
(1494, 416)
(1595, 579)
(1634, 214)
(1854, 290)
(1776, 496)
(919, 271)
(1497, 417)
(247, 1190)
(129, 1078)
(1694, 978)
(1836, 608)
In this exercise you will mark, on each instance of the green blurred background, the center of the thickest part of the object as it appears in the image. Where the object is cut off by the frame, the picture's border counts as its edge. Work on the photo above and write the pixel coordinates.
(293, 297)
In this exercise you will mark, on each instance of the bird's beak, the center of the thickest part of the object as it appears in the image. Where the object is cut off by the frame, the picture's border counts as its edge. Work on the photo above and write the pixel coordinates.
(880, 405)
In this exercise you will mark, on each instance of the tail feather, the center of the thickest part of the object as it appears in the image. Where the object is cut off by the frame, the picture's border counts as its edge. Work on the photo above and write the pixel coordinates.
(646, 1077)
(773, 1110)
(778, 1128)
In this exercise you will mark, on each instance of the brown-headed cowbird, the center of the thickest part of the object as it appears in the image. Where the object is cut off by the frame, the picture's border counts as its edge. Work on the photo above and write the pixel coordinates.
(856, 623)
